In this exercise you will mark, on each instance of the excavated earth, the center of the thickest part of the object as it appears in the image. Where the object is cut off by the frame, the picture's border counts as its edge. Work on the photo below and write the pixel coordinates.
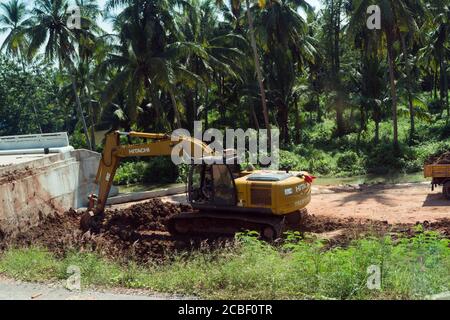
(443, 158)
(11, 176)
(139, 233)
(136, 233)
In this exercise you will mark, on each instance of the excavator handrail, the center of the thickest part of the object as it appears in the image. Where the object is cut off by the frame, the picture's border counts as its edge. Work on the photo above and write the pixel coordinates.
(144, 135)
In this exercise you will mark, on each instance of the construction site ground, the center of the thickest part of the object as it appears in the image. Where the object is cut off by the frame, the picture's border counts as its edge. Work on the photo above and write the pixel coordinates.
(137, 231)
(396, 204)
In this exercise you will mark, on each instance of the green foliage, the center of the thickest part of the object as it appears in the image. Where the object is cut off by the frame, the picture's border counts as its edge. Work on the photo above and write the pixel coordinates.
(292, 161)
(78, 140)
(183, 173)
(29, 100)
(411, 268)
(312, 160)
(157, 74)
(349, 161)
(153, 170)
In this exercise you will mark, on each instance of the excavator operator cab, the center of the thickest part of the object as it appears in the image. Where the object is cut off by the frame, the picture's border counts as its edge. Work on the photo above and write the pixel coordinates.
(212, 184)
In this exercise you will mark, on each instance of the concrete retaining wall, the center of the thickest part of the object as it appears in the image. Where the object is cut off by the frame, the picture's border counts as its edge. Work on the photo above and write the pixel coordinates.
(49, 185)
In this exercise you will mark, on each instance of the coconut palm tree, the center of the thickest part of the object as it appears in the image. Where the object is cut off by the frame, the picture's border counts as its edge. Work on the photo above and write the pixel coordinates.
(397, 17)
(200, 27)
(436, 53)
(49, 30)
(236, 6)
(147, 60)
(288, 48)
(13, 21)
(90, 44)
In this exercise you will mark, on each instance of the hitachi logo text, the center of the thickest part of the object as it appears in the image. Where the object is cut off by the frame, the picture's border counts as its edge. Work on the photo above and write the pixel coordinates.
(140, 150)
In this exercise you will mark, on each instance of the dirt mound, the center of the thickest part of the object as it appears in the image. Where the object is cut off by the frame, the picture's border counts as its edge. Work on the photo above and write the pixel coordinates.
(442, 226)
(11, 176)
(148, 216)
(136, 233)
(443, 158)
(139, 233)
(340, 232)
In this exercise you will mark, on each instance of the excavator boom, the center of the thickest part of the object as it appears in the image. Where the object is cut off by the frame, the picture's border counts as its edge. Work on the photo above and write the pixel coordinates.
(114, 152)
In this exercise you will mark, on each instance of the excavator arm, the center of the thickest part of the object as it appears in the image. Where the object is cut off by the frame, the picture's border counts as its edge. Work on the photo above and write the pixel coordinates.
(114, 152)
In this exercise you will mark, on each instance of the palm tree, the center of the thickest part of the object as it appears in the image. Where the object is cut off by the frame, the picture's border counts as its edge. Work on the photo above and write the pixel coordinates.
(200, 27)
(147, 59)
(436, 53)
(397, 16)
(89, 46)
(236, 7)
(14, 21)
(288, 48)
(49, 29)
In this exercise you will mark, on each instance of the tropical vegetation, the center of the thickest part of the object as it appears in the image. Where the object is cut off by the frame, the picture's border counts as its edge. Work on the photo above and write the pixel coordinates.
(346, 99)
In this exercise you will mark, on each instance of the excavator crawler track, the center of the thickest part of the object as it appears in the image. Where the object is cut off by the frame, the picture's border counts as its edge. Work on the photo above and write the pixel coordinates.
(206, 223)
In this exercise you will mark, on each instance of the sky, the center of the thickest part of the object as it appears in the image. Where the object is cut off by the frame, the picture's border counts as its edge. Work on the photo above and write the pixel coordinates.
(107, 27)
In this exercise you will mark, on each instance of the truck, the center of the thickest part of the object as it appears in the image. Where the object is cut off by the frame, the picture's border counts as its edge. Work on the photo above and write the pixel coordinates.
(440, 174)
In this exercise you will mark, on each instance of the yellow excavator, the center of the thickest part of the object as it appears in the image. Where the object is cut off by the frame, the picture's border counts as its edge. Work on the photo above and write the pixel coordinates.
(225, 199)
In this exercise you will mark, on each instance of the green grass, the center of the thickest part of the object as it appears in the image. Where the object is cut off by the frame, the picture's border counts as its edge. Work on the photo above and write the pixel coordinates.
(251, 269)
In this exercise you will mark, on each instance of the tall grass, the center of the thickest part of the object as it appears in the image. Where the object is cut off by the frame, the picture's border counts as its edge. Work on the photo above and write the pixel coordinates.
(410, 268)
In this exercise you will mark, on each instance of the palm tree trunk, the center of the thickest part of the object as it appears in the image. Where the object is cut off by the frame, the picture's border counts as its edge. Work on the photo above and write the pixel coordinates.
(435, 84)
(319, 110)
(175, 110)
(445, 85)
(377, 132)
(298, 125)
(258, 72)
(393, 93)
(206, 108)
(80, 113)
(339, 103)
(36, 116)
(408, 92)
(91, 115)
(254, 117)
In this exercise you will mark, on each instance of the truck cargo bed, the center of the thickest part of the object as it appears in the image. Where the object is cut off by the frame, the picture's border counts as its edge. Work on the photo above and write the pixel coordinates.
(437, 171)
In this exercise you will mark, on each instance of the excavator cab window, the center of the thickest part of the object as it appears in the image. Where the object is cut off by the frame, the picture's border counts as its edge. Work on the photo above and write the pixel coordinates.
(212, 184)
(196, 185)
(224, 188)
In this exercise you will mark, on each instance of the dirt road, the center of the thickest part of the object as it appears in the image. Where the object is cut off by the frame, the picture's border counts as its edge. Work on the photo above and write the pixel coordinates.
(396, 204)
(407, 203)
(15, 290)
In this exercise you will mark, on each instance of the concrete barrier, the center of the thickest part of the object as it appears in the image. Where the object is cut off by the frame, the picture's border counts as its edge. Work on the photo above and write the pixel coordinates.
(50, 184)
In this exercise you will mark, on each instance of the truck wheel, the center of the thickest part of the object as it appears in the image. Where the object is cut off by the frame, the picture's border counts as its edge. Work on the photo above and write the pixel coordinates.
(446, 190)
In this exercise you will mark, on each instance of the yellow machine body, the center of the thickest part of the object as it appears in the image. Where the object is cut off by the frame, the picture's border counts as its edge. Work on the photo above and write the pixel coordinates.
(281, 193)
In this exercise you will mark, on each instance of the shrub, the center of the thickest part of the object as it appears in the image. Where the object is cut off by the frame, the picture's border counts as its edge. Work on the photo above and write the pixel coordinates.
(350, 162)
(293, 161)
(382, 160)
(130, 172)
(78, 140)
(155, 170)
(347, 160)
